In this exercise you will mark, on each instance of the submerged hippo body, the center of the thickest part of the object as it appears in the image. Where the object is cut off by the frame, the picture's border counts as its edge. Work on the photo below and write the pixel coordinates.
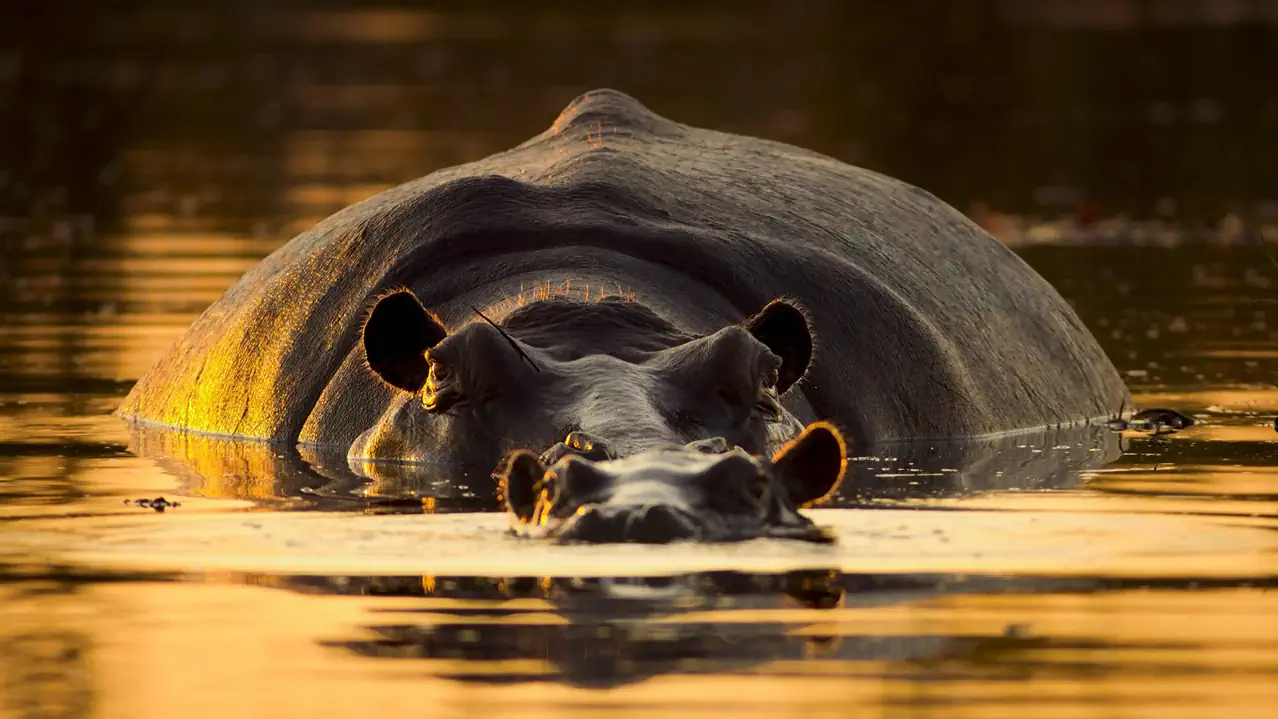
(901, 317)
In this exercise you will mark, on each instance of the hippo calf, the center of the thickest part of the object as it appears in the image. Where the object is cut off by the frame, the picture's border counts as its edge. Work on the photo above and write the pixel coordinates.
(622, 283)
(704, 491)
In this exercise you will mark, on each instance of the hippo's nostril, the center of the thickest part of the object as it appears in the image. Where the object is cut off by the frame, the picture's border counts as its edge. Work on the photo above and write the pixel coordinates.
(580, 444)
(657, 524)
(579, 441)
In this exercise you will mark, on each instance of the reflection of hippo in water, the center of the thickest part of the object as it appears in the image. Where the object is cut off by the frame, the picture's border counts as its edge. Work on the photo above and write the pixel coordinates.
(604, 632)
(915, 324)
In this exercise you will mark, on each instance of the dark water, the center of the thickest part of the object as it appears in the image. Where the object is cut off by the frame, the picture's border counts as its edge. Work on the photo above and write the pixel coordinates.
(151, 154)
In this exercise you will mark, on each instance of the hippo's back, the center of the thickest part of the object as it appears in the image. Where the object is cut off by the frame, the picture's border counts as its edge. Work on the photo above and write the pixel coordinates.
(925, 326)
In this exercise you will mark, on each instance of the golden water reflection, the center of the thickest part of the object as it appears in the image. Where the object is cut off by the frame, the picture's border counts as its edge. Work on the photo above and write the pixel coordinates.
(1091, 640)
(928, 647)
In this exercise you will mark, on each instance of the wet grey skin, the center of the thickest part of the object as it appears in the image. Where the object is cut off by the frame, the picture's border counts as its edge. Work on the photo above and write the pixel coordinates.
(602, 380)
(925, 326)
(703, 491)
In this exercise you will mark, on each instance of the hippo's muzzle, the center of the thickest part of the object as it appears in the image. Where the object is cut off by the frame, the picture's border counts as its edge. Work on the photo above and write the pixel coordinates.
(700, 492)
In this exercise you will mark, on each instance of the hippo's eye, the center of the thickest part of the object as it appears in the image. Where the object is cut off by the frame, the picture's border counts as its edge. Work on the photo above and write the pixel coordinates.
(439, 370)
(440, 393)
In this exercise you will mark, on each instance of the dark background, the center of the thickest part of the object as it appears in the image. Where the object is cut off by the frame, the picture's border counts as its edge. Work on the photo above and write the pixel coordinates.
(259, 117)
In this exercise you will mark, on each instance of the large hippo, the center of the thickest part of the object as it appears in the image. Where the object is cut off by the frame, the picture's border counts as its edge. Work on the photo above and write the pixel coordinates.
(622, 282)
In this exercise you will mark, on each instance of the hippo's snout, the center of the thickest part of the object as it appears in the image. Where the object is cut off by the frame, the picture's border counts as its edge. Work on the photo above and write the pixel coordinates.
(699, 492)
(649, 524)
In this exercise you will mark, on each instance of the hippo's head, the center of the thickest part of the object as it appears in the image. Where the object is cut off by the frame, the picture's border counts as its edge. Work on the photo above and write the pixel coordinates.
(702, 492)
(603, 379)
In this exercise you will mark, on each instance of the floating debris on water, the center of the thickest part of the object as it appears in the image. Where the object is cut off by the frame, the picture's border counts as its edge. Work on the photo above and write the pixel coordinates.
(159, 504)
(1158, 421)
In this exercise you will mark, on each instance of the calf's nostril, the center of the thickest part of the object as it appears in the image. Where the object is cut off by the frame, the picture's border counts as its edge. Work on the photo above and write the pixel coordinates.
(656, 524)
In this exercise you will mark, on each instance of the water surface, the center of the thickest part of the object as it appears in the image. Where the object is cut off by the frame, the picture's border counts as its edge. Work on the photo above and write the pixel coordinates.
(1094, 573)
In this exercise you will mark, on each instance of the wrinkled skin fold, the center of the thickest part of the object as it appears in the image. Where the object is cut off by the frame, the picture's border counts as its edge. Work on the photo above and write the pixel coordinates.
(704, 491)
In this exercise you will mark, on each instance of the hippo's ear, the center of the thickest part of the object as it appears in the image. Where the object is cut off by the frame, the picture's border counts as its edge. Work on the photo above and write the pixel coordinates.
(519, 477)
(396, 336)
(811, 466)
(783, 328)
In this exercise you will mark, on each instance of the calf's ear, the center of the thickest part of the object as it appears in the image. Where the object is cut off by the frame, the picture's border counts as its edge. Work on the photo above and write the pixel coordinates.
(519, 478)
(811, 466)
(396, 336)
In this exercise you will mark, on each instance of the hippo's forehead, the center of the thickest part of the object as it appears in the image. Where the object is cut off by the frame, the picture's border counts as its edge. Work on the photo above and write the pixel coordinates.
(602, 365)
(568, 330)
